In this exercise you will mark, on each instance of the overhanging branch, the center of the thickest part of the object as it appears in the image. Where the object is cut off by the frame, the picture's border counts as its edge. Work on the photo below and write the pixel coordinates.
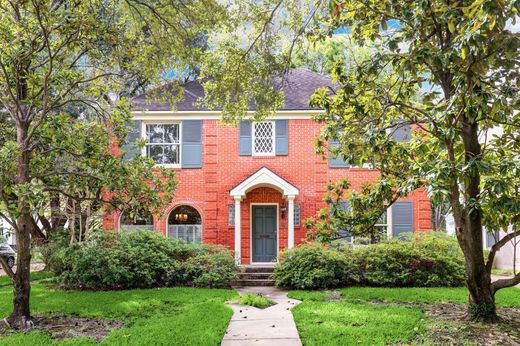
(498, 245)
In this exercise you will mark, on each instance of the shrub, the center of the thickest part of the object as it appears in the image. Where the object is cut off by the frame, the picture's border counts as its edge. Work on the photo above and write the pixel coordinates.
(312, 266)
(140, 259)
(212, 268)
(426, 260)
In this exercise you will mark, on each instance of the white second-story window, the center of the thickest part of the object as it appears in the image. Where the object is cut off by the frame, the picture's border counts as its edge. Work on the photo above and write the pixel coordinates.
(163, 143)
(263, 138)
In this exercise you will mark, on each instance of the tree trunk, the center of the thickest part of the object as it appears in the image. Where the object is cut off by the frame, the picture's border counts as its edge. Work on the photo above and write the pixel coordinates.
(469, 232)
(20, 318)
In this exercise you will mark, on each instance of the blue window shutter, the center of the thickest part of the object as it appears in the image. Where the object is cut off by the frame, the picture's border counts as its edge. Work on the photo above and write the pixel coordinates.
(344, 233)
(191, 150)
(402, 133)
(245, 140)
(131, 149)
(402, 217)
(334, 161)
(282, 137)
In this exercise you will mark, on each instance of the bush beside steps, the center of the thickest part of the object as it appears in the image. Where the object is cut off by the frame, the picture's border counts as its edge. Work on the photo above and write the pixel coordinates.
(424, 260)
(141, 259)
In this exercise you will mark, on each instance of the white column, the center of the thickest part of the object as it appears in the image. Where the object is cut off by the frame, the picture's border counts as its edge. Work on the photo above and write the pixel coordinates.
(238, 235)
(290, 236)
(389, 223)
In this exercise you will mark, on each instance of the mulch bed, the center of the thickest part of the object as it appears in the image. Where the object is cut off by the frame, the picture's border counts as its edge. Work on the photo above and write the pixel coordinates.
(450, 326)
(60, 327)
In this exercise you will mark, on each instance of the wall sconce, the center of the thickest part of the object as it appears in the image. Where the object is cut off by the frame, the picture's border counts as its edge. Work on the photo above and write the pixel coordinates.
(283, 209)
(181, 217)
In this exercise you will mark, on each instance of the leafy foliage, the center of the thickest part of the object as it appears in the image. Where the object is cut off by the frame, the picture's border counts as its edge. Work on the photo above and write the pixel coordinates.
(426, 260)
(312, 266)
(67, 69)
(141, 259)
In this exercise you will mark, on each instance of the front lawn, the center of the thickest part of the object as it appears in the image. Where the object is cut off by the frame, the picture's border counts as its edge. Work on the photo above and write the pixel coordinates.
(163, 316)
(381, 316)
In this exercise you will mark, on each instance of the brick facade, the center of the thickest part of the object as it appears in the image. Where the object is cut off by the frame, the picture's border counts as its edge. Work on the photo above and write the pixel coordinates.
(207, 188)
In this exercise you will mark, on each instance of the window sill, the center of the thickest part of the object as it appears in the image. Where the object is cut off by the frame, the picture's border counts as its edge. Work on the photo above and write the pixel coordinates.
(168, 166)
(264, 156)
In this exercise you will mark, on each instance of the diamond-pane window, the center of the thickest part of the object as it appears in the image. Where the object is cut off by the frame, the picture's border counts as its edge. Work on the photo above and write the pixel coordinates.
(263, 138)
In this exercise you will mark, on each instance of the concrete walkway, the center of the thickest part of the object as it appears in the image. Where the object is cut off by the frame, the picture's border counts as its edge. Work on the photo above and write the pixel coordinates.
(273, 326)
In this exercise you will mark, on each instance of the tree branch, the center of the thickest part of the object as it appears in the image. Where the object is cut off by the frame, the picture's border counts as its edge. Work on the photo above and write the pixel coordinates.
(498, 245)
(504, 283)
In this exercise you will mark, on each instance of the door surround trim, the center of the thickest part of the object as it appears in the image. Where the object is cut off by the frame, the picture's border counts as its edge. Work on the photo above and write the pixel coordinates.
(251, 232)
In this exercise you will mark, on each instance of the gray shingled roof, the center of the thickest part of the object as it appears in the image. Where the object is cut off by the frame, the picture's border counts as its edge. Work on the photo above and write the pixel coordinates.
(299, 84)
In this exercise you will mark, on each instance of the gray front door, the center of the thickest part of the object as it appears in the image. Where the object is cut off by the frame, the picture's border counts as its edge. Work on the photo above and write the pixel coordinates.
(264, 233)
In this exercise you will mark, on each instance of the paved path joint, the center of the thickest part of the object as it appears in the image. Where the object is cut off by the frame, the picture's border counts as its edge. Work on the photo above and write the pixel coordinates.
(271, 326)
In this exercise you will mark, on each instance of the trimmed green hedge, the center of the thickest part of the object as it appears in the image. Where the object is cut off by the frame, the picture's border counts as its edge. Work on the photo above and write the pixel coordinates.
(141, 259)
(312, 266)
(424, 260)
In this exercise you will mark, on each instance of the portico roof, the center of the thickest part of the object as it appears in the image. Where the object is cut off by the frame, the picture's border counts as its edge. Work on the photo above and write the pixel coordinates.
(264, 177)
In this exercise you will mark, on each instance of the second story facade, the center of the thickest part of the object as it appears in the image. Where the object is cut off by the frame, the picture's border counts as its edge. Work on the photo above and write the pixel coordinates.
(249, 187)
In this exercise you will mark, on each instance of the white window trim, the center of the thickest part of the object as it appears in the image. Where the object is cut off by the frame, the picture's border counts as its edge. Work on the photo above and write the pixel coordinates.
(253, 137)
(143, 135)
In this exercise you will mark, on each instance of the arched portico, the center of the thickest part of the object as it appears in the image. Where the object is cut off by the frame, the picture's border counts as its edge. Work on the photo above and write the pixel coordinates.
(263, 178)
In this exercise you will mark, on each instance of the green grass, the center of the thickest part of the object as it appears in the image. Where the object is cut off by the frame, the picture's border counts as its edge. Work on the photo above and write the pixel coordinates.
(343, 323)
(35, 276)
(509, 297)
(163, 316)
(502, 272)
(255, 300)
(361, 320)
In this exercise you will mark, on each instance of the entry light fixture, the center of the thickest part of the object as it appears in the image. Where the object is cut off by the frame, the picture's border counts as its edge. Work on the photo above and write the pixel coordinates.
(181, 217)
(283, 209)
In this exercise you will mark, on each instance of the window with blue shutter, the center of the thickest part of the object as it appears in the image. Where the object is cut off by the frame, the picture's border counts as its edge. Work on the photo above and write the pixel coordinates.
(297, 216)
(402, 133)
(402, 217)
(245, 139)
(231, 215)
(282, 137)
(344, 233)
(131, 149)
(334, 160)
(191, 150)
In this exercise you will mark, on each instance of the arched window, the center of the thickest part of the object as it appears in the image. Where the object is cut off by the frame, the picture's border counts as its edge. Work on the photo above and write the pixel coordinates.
(185, 223)
(142, 220)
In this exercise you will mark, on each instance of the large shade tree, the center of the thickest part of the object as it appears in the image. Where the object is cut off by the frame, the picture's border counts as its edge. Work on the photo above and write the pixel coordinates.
(448, 69)
(65, 68)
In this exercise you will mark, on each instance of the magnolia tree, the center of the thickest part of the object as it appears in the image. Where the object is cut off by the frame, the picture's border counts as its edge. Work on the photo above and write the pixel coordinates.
(450, 70)
(63, 67)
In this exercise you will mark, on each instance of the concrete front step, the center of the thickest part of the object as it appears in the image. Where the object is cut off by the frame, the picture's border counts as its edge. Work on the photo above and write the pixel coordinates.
(252, 282)
(254, 276)
(257, 269)
(249, 276)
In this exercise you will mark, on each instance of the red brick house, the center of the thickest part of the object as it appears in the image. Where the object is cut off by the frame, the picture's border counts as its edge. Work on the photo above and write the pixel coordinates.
(249, 188)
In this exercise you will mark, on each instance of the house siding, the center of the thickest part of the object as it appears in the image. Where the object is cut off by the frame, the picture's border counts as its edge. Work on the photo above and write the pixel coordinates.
(207, 188)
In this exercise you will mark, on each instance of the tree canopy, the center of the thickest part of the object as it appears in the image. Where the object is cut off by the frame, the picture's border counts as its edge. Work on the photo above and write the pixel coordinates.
(450, 70)
(66, 69)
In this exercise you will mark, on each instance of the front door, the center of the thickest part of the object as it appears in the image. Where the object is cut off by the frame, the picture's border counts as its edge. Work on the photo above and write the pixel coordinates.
(264, 233)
